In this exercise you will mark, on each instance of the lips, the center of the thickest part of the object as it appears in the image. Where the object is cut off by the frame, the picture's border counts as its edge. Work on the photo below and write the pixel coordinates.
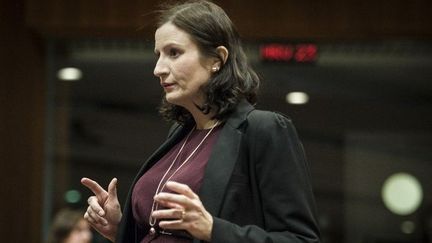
(168, 85)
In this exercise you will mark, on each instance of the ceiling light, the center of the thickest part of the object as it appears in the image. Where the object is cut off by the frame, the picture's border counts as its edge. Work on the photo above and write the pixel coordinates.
(297, 98)
(402, 193)
(69, 74)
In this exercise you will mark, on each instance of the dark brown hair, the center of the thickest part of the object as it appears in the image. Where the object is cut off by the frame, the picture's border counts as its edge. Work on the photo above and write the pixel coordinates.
(209, 26)
(63, 224)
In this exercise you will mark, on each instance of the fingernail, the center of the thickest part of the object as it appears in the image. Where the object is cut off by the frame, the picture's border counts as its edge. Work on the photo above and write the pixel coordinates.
(101, 213)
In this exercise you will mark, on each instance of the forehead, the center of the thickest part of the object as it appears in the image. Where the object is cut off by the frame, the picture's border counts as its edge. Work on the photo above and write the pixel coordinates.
(170, 34)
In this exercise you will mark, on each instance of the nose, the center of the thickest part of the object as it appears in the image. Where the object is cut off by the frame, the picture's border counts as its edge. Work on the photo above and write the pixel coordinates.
(161, 68)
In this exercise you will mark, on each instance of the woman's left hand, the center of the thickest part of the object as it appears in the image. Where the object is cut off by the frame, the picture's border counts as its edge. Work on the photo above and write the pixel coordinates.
(184, 211)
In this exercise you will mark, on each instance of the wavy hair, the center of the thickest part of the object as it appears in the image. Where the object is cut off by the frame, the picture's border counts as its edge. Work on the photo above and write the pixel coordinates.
(209, 26)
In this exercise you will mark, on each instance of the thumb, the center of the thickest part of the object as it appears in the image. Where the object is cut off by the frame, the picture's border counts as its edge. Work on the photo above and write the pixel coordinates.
(112, 189)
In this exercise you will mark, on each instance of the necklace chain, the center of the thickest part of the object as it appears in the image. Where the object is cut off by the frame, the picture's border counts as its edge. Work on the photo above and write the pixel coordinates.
(160, 187)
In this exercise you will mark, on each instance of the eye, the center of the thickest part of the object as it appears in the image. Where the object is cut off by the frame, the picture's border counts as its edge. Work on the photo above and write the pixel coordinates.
(173, 52)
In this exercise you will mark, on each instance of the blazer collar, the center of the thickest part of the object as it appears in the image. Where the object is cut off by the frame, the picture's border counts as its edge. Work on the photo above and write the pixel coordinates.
(240, 114)
(234, 120)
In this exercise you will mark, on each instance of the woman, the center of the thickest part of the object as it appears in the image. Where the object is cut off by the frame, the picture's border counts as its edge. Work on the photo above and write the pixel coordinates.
(227, 172)
(69, 226)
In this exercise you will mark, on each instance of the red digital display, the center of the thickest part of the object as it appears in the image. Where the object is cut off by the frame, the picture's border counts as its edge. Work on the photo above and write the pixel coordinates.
(297, 53)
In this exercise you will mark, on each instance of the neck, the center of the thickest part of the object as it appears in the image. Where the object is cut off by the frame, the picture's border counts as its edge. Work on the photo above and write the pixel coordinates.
(203, 121)
(207, 125)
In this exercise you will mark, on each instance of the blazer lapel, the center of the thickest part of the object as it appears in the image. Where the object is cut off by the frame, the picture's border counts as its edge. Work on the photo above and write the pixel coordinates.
(222, 160)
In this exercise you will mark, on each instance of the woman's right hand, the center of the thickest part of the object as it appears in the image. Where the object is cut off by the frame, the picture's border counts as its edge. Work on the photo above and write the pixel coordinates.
(104, 212)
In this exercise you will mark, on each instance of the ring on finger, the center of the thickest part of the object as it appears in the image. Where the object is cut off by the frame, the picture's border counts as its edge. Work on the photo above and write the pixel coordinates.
(183, 215)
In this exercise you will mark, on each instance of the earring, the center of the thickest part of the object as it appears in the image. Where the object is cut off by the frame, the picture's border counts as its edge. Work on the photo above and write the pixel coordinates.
(215, 69)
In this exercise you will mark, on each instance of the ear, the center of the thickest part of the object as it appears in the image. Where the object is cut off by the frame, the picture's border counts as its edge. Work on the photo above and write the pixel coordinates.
(223, 53)
(217, 63)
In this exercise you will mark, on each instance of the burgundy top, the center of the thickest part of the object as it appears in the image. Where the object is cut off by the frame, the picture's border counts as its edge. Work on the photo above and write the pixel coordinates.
(191, 174)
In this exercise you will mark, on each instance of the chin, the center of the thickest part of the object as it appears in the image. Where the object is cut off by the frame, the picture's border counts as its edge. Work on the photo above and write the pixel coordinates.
(179, 101)
(172, 99)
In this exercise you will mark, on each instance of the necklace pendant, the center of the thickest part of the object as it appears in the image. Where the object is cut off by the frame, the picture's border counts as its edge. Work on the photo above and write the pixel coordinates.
(152, 231)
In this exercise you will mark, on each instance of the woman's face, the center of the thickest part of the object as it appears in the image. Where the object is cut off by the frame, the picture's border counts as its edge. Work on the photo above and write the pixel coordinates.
(181, 68)
(81, 233)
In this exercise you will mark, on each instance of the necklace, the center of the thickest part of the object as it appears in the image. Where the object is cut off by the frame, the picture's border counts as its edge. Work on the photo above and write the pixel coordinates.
(160, 187)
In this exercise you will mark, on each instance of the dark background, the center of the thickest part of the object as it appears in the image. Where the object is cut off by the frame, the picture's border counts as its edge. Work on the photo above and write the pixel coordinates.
(369, 114)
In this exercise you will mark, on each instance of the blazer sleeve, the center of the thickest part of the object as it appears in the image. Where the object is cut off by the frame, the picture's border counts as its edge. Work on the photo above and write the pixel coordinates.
(283, 181)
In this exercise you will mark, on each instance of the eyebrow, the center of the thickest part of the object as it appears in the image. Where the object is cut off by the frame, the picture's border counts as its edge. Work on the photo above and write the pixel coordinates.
(170, 44)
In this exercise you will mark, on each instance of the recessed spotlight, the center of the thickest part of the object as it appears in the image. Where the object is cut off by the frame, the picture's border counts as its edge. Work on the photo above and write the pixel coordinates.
(402, 193)
(69, 74)
(297, 98)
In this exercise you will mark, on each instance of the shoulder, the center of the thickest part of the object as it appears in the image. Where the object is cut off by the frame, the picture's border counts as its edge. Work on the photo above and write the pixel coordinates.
(264, 120)
(268, 126)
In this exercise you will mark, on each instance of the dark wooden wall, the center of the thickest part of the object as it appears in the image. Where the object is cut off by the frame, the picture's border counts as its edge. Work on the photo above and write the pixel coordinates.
(330, 19)
(22, 102)
(25, 25)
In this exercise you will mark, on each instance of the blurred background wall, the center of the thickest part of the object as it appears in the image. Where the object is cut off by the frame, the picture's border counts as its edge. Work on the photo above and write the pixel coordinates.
(368, 118)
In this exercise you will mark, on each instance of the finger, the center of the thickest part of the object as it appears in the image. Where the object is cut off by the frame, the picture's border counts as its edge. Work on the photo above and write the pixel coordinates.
(173, 200)
(95, 206)
(181, 189)
(93, 223)
(169, 214)
(95, 218)
(169, 204)
(94, 187)
(172, 224)
(94, 215)
(112, 188)
(88, 218)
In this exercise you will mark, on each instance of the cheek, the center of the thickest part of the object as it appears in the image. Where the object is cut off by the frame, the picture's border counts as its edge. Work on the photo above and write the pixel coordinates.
(183, 71)
(190, 70)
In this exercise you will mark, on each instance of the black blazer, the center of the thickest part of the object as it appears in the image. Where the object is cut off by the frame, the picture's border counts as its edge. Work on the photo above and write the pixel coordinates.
(256, 183)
